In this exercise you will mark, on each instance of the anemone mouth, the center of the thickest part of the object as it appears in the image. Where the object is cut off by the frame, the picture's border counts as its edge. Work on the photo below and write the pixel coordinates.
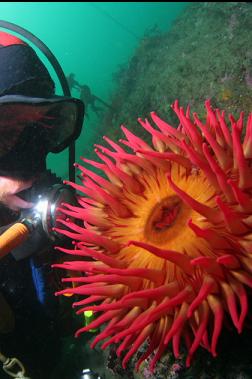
(163, 217)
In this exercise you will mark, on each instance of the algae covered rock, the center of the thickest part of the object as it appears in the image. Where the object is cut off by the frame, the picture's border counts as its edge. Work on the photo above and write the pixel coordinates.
(206, 54)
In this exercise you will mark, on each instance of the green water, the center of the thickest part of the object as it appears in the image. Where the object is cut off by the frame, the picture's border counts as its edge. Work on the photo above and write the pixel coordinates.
(91, 40)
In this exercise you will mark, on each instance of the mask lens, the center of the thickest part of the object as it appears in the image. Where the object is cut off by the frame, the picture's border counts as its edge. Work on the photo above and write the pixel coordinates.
(60, 120)
(62, 126)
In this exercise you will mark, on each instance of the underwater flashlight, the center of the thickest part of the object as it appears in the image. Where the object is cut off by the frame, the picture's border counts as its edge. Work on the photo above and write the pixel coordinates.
(41, 218)
(89, 374)
(46, 211)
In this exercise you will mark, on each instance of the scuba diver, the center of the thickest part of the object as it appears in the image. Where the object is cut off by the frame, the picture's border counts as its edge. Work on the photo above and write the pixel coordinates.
(88, 98)
(72, 83)
(33, 122)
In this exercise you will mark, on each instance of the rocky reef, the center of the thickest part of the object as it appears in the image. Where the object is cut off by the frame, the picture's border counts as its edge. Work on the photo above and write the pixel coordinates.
(206, 54)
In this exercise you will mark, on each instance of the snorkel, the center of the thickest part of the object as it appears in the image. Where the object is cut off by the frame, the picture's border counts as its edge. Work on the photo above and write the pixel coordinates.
(41, 219)
(59, 72)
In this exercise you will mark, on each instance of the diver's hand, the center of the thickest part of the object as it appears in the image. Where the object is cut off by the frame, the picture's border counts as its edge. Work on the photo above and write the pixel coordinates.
(9, 189)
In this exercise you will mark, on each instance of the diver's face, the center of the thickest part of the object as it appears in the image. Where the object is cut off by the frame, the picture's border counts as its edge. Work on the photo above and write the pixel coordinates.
(9, 189)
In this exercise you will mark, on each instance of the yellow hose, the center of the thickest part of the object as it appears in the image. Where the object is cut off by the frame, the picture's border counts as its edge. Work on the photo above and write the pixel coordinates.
(12, 238)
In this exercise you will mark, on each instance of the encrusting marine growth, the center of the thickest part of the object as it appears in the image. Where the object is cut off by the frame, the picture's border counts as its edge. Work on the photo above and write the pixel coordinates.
(163, 251)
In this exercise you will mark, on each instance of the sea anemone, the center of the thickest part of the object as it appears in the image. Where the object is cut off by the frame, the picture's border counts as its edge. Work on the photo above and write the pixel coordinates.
(163, 243)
